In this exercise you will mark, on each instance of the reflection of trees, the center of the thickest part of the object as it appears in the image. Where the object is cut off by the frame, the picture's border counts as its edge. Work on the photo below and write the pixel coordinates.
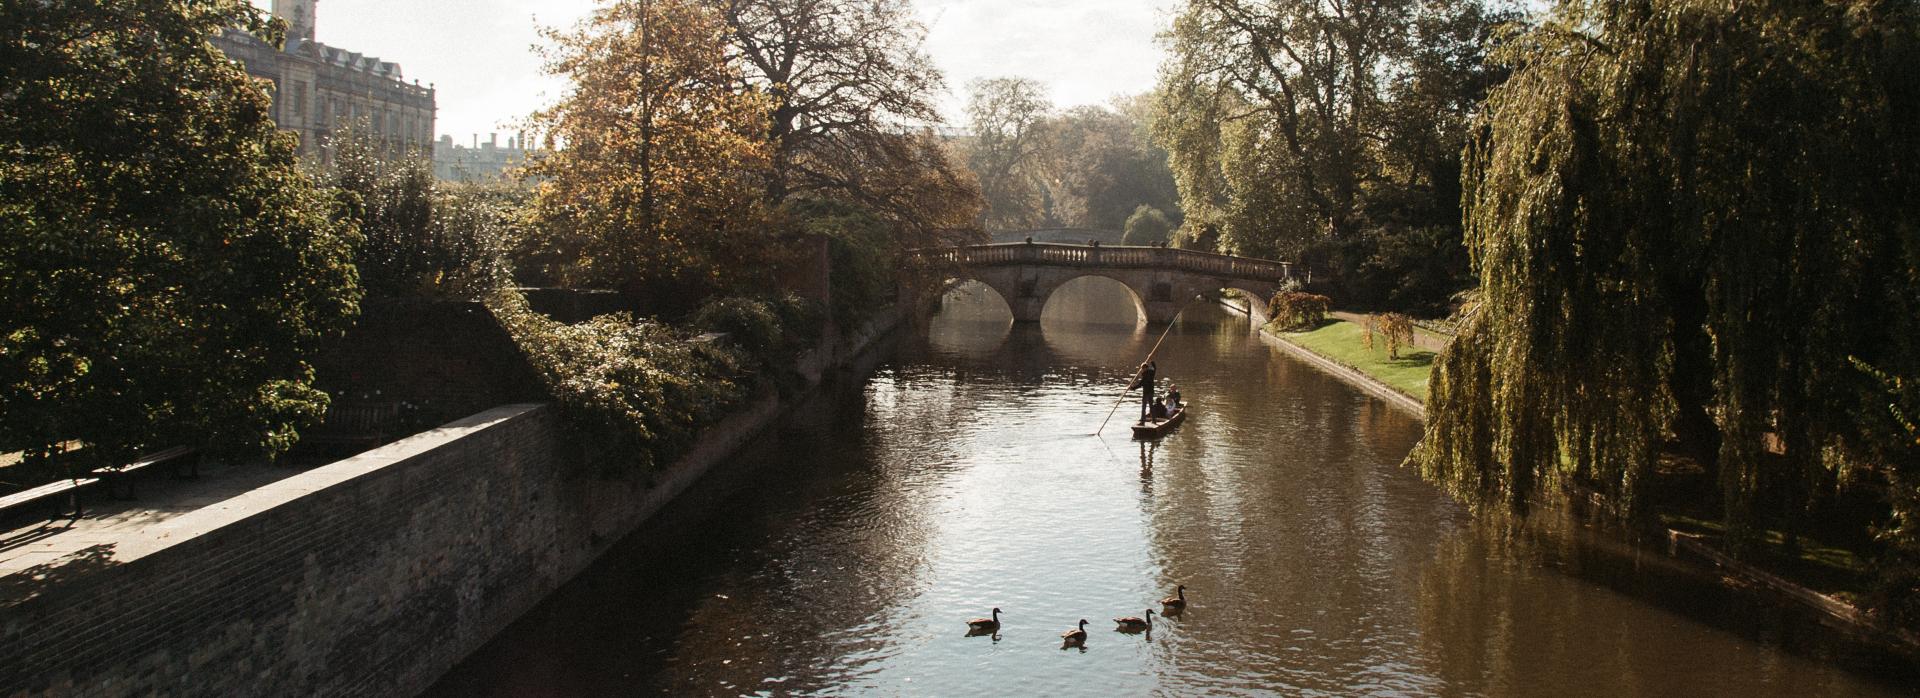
(1504, 611)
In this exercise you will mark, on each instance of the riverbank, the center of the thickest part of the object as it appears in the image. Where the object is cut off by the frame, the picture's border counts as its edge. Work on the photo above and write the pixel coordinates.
(369, 575)
(1345, 343)
(1339, 348)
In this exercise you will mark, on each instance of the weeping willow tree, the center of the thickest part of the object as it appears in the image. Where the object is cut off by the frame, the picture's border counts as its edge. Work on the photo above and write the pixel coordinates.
(1694, 223)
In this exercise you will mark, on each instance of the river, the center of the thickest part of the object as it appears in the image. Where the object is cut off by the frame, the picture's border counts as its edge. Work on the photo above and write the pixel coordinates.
(844, 555)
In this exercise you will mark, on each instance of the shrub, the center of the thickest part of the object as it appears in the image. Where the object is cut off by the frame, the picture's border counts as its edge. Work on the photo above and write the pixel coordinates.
(1147, 226)
(1300, 310)
(639, 392)
(769, 328)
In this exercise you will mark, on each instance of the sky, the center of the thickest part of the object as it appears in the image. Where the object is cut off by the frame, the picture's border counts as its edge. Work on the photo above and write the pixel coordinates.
(480, 53)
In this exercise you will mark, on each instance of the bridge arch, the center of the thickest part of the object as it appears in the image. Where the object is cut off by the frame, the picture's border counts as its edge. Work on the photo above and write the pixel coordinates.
(967, 286)
(1162, 280)
(1103, 280)
(1259, 310)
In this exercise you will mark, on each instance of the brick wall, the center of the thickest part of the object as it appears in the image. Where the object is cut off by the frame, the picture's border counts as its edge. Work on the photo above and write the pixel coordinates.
(442, 359)
(369, 576)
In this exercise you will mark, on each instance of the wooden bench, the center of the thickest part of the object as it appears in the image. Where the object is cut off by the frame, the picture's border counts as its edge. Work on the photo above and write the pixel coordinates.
(359, 425)
(50, 491)
(185, 460)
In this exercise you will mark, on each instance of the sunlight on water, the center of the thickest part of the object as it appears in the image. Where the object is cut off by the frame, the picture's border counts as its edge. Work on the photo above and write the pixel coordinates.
(845, 559)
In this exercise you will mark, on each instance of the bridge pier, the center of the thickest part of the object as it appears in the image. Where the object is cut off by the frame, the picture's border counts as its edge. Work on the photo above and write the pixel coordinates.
(1026, 309)
(1162, 312)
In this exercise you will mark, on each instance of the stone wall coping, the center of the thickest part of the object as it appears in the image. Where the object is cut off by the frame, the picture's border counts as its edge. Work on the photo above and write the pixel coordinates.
(238, 509)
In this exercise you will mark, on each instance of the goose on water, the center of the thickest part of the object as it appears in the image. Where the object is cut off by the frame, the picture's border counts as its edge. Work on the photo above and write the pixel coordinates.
(985, 625)
(1134, 624)
(1178, 600)
(1076, 635)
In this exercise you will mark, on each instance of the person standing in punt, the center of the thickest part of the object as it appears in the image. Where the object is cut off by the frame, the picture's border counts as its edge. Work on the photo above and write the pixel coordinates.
(1143, 379)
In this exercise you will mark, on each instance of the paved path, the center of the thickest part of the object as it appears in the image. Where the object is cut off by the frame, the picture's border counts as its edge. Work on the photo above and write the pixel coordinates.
(34, 550)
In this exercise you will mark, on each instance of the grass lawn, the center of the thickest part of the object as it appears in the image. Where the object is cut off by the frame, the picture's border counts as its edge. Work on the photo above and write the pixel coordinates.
(1345, 343)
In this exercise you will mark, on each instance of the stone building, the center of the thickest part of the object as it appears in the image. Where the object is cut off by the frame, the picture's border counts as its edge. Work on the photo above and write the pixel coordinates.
(319, 89)
(482, 162)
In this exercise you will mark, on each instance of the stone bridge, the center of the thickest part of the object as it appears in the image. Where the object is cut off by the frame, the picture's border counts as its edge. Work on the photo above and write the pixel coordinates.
(1162, 280)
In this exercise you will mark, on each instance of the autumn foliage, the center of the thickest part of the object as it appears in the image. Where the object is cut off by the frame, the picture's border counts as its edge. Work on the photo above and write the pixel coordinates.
(653, 183)
(1395, 329)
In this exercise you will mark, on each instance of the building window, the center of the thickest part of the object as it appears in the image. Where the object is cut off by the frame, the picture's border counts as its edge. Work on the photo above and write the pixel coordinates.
(299, 101)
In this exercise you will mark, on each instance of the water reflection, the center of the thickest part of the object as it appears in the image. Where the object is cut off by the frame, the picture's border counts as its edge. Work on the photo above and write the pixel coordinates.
(844, 560)
(1093, 300)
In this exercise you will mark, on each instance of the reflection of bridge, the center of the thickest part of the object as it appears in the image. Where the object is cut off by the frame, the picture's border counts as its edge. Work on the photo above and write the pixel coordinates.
(1162, 279)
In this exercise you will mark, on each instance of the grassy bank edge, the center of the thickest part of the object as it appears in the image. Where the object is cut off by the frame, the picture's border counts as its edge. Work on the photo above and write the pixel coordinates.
(1344, 343)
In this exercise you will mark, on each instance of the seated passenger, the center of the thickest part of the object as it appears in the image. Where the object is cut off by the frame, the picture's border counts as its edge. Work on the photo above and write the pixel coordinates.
(1159, 410)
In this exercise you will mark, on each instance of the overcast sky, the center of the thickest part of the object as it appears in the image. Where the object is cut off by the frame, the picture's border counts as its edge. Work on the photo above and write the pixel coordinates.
(479, 53)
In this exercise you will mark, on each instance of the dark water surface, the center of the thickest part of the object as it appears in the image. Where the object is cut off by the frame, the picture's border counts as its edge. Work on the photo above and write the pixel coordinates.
(843, 558)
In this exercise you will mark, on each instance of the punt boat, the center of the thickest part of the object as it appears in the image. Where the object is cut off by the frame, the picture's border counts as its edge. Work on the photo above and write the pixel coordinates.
(1150, 429)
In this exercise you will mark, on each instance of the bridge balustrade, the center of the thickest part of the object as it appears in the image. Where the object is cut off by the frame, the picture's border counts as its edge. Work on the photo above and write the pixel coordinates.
(1093, 256)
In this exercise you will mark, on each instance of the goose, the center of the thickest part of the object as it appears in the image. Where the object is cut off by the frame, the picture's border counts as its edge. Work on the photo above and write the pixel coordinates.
(985, 625)
(1134, 624)
(1076, 635)
(1178, 600)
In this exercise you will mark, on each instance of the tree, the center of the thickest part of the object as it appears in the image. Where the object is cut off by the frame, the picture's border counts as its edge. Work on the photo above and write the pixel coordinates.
(1006, 116)
(417, 237)
(1702, 214)
(1147, 226)
(1327, 132)
(850, 94)
(1102, 165)
(653, 182)
(833, 73)
(165, 266)
(1290, 92)
(853, 157)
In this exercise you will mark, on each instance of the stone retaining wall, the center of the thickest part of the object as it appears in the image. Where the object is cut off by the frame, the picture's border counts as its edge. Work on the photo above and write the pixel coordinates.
(368, 576)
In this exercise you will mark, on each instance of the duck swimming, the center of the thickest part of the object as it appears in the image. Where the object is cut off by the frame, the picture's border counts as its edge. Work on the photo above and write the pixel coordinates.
(1178, 600)
(1134, 624)
(982, 626)
(1075, 636)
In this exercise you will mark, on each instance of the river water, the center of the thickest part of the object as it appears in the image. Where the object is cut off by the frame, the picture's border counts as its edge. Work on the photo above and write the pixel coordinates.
(844, 555)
